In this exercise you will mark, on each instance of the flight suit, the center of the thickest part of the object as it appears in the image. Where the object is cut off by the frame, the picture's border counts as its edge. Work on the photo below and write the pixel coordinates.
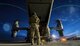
(45, 34)
(34, 29)
(46, 31)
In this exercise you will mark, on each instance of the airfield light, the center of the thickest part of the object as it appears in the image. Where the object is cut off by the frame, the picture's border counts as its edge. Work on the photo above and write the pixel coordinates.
(54, 36)
(6, 27)
(43, 41)
(63, 39)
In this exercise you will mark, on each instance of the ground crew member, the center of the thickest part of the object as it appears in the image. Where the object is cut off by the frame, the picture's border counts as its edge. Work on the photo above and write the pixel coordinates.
(34, 28)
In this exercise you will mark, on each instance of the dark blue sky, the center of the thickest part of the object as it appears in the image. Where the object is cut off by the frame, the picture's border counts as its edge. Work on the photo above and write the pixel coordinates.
(11, 10)
(69, 13)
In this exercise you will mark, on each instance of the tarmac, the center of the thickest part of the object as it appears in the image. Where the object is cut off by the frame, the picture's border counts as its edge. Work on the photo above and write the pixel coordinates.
(58, 43)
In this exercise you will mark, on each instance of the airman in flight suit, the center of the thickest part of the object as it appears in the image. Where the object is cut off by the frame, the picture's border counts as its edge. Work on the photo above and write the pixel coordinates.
(15, 26)
(34, 28)
(59, 27)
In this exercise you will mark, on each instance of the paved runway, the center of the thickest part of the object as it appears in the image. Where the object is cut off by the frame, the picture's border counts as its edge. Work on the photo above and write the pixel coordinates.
(15, 44)
(69, 43)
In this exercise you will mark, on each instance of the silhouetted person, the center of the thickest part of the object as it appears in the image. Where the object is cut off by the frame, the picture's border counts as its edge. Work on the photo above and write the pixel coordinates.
(59, 27)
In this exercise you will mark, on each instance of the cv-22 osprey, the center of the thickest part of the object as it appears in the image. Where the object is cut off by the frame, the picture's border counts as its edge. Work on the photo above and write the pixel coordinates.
(43, 9)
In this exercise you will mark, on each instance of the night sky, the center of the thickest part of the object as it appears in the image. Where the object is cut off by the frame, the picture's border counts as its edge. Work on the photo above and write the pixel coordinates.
(11, 10)
(66, 10)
